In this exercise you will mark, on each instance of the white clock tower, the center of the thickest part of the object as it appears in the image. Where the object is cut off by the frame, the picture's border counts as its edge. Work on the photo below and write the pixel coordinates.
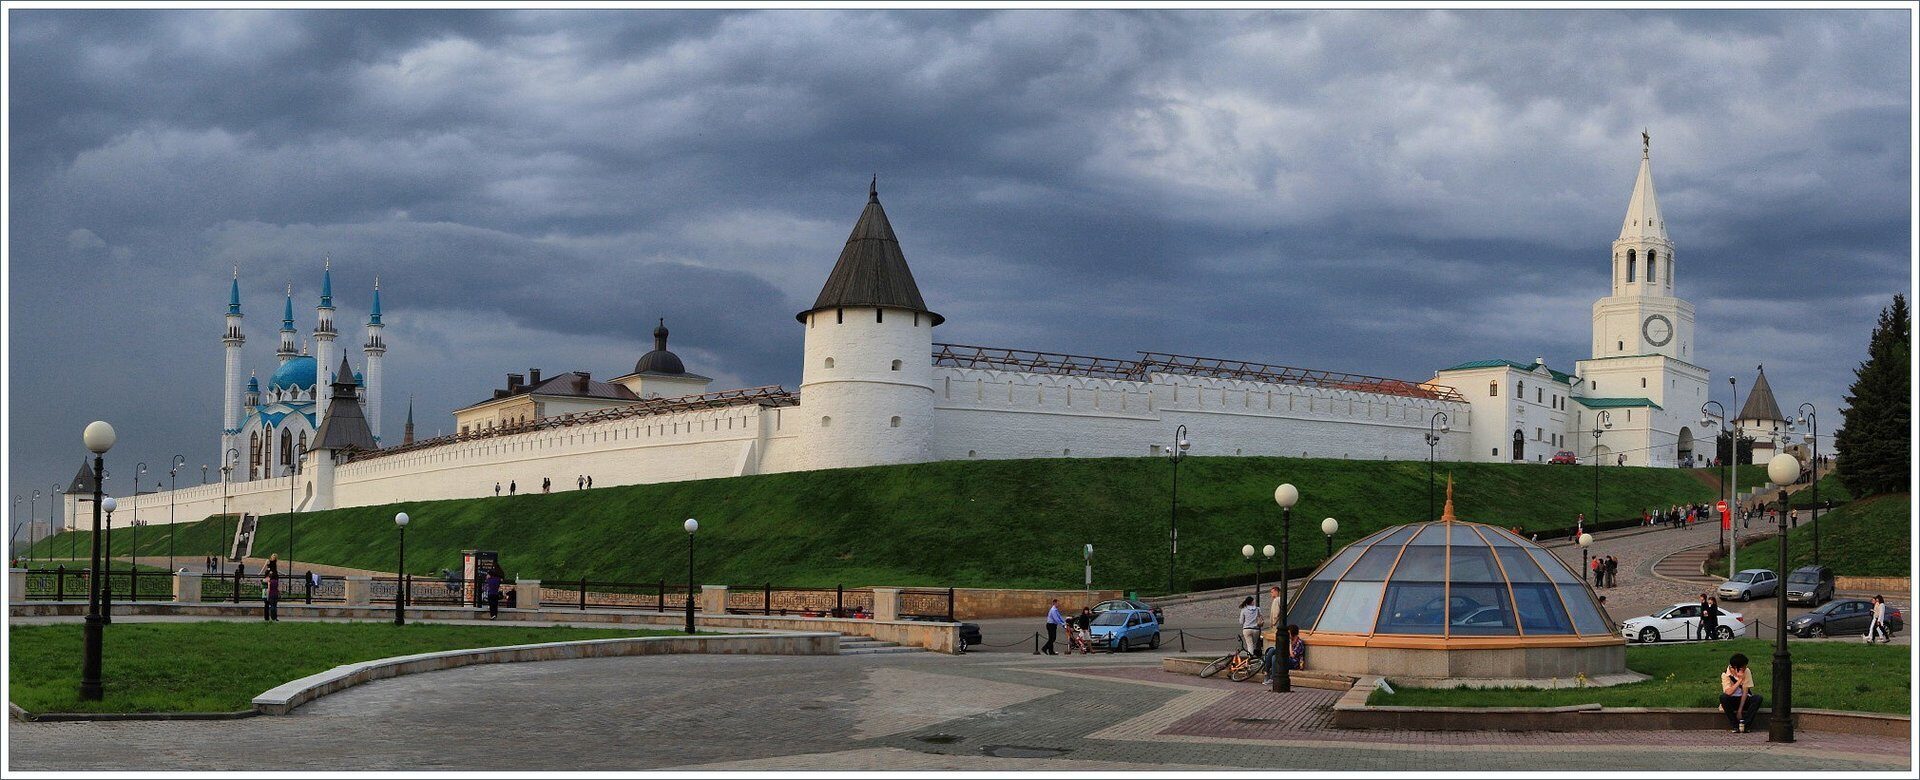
(1642, 369)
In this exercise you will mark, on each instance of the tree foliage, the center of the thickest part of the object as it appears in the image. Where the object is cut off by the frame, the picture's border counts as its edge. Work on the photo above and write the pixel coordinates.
(1873, 440)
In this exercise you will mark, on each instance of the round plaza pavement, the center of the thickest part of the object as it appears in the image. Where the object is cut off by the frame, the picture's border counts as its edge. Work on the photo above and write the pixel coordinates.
(892, 711)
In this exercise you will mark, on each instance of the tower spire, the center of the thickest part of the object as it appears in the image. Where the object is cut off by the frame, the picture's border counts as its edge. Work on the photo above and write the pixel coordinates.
(1643, 218)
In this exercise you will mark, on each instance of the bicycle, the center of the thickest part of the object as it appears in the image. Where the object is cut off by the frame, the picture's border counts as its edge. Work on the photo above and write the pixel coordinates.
(1239, 666)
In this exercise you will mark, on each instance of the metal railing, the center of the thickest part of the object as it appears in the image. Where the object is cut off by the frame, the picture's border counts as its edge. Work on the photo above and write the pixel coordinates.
(927, 603)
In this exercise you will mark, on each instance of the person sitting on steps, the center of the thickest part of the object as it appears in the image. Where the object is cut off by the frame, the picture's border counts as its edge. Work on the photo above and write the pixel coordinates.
(1737, 699)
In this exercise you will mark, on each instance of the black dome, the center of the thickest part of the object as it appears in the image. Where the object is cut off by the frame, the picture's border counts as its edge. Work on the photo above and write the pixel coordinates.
(659, 361)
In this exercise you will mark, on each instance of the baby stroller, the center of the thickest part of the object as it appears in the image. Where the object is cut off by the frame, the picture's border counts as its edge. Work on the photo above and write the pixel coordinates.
(1079, 639)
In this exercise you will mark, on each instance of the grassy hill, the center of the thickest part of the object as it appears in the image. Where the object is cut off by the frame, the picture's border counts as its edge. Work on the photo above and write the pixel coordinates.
(1009, 523)
(1867, 538)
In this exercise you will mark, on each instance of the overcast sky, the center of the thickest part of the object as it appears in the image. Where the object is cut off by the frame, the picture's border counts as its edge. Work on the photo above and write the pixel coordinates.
(1375, 192)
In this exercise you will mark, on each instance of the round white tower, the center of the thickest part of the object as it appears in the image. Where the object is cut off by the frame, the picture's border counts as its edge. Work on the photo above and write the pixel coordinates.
(323, 334)
(230, 393)
(376, 351)
(866, 391)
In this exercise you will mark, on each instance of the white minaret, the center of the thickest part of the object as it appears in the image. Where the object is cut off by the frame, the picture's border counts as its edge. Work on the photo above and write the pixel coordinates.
(376, 350)
(288, 350)
(323, 334)
(867, 386)
(230, 394)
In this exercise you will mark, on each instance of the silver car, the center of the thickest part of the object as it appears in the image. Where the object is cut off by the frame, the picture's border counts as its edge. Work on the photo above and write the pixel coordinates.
(1749, 584)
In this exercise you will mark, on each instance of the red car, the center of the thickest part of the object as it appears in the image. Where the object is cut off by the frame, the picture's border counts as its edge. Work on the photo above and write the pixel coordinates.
(1564, 457)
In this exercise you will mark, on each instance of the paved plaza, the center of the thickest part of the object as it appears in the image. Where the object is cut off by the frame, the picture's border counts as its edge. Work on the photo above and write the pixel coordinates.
(909, 711)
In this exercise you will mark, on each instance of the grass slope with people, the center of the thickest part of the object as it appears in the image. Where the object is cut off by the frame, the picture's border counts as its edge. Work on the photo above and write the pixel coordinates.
(1826, 675)
(1002, 523)
(1867, 538)
(219, 666)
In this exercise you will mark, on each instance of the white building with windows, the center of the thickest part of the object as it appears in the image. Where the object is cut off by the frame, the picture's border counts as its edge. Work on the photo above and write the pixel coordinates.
(879, 388)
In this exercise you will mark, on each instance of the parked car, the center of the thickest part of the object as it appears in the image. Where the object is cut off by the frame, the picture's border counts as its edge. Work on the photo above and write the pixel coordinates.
(1125, 629)
(1749, 584)
(1565, 458)
(969, 635)
(1810, 585)
(1113, 604)
(1842, 617)
(1681, 621)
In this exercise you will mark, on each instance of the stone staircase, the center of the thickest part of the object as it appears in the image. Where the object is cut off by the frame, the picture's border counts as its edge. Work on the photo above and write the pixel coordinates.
(861, 645)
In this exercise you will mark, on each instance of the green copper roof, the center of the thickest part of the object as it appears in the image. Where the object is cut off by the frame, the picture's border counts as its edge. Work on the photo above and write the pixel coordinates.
(1614, 403)
(1558, 376)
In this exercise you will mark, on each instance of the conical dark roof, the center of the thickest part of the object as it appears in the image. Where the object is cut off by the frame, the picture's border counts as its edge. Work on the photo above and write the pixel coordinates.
(871, 270)
(1760, 403)
(345, 427)
(83, 481)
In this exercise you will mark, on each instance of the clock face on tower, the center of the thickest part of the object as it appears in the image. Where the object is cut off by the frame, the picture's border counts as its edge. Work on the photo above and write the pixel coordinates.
(1658, 330)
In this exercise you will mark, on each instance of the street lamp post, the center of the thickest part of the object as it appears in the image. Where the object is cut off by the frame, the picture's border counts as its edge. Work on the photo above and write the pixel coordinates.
(106, 564)
(138, 469)
(400, 572)
(173, 486)
(1706, 419)
(691, 525)
(1089, 553)
(1784, 469)
(33, 514)
(1585, 565)
(1433, 440)
(13, 523)
(1329, 527)
(1247, 551)
(1808, 419)
(1175, 453)
(1601, 422)
(203, 473)
(230, 459)
(98, 438)
(293, 476)
(1286, 495)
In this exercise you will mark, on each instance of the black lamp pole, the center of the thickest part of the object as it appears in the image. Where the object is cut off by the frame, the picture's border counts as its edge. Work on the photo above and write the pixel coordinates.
(1780, 725)
(400, 573)
(134, 557)
(106, 565)
(1176, 453)
(299, 459)
(1285, 495)
(1433, 440)
(99, 438)
(691, 525)
(1808, 419)
(1601, 422)
(1733, 448)
(173, 485)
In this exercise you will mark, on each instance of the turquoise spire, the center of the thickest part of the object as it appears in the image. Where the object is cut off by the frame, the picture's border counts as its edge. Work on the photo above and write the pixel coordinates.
(233, 299)
(375, 319)
(326, 285)
(286, 322)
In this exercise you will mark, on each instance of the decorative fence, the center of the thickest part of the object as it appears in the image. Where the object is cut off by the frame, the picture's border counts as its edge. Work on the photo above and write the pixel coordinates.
(602, 594)
(768, 599)
(64, 584)
(927, 603)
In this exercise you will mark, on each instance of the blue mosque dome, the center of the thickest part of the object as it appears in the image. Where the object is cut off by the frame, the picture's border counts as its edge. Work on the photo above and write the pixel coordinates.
(296, 373)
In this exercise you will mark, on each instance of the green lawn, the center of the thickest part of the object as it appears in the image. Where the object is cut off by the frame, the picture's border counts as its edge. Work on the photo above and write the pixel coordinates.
(1007, 523)
(1867, 538)
(1826, 675)
(217, 666)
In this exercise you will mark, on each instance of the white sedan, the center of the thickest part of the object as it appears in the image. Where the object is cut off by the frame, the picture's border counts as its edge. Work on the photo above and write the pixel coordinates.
(1681, 621)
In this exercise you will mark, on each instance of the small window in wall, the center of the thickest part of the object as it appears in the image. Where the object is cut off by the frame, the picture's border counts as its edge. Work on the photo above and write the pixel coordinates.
(1066, 453)
(971, 453)
(839, 316)
(1593, 384)
(826, 421)
(1493, 391)
(1537, 395)
(896, 365)
(1630, 263)
(1653, 265)
(1496, 452)
(879, 314)
(894, 423)
(1520, 389)
(1643, 382)
(829, 362)
(1539, 434)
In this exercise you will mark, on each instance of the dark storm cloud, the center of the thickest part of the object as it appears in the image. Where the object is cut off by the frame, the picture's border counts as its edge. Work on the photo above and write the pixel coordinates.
(1380, 192)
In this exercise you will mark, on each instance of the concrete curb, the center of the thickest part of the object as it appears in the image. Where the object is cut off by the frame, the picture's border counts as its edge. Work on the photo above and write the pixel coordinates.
(286, 697)
(1353, 712)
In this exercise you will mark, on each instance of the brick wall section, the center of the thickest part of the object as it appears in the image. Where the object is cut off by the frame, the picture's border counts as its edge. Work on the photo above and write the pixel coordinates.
(983, 603)
(1895, 585)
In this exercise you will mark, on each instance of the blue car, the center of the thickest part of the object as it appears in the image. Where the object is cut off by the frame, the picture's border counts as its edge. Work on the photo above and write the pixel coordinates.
(1125, 629)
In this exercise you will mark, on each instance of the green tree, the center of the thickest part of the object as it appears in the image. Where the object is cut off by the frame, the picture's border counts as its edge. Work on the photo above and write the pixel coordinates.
(1873, 440)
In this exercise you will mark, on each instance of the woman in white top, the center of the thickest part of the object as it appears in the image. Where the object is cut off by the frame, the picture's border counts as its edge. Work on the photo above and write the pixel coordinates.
(1878, 628)
(1249, 625)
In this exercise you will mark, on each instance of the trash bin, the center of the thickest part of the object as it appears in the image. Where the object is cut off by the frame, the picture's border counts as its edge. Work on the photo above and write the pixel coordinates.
(1133, 595)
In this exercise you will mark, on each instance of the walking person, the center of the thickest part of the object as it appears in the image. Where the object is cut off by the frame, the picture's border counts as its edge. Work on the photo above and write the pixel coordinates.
(1709, 618)
(546, 484)
(512, 486)
(496, 490)
(493, 593)
(1054, 622)
(1878, 628)
(1737, 699)
(270, 580)
(580, 482)
(589, 481)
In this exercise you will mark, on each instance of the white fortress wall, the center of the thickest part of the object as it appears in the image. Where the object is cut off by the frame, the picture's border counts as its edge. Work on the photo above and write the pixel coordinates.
(983, 413)
(702, 444)
(190, 504)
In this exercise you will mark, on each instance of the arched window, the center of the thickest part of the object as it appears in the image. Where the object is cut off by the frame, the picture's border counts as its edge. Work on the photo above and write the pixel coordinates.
(826, 421)
(1520, 389)
(253, 456)
(894, 423)
(829, 362)
(1630, 262)
(896, 365)
(303, 441)
(1493, 389)
(1653, 265)
(286, 446)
